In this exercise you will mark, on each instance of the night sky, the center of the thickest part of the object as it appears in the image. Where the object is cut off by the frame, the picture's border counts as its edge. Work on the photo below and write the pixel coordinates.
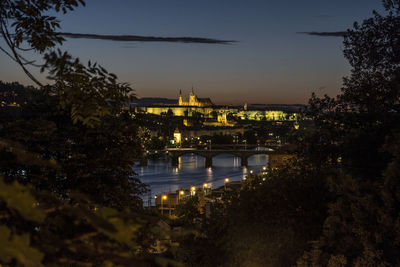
(270, 62)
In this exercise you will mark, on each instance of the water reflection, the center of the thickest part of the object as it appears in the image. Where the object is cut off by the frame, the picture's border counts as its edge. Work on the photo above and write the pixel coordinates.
(162, 177)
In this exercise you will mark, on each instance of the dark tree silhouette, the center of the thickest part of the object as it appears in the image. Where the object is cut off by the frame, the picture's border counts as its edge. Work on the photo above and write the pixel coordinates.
(338, 200)
(68, 195)
(358, 132)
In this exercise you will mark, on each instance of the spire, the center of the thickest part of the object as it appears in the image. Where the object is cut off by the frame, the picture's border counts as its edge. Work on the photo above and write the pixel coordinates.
(180, 99)
(192, 91)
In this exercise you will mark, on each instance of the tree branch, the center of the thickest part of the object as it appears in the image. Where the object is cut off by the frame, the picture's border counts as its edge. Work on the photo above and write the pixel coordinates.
(17, 57)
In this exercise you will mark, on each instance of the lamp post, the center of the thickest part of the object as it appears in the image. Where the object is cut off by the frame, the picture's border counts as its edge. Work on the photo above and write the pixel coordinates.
(164, 197)
(181, 193)
(192, 190)
(205, 186)
(225, 182)
(245, 144)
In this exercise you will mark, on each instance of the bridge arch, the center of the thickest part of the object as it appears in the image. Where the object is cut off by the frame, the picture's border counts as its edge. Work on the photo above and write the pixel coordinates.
(227, 153)
(175, 155)
(254, 160)
(226, 159)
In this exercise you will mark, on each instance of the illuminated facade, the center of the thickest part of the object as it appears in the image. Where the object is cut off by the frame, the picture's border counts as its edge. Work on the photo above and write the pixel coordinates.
(177, 136)
(194, 101)
(216, 115)
(266, 115)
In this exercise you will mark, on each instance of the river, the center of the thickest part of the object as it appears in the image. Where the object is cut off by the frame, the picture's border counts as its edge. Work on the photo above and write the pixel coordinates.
(163, 178)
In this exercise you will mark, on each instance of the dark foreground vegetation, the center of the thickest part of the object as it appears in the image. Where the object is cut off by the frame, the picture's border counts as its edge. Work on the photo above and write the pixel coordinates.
(337, 202)
(68, 196)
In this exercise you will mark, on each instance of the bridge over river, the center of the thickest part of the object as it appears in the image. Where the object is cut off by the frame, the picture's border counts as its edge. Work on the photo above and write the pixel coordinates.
(208, 154)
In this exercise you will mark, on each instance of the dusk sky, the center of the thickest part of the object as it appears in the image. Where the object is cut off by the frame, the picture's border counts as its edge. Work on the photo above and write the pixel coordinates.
(270, 62)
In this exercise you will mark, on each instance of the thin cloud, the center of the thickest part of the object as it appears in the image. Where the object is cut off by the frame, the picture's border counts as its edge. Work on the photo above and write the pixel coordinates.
(326, 34)
(323, 16)
(130, 46)
(137, 38)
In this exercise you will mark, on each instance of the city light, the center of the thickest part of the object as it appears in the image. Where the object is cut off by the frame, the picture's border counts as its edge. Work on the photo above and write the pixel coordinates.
(177, 136)
(205, 187)
(225, 182)
(192, 190)
(164, 197)
(181, 193)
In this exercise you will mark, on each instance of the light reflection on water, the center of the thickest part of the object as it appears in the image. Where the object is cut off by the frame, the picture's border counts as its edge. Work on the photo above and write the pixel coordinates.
(162, 177)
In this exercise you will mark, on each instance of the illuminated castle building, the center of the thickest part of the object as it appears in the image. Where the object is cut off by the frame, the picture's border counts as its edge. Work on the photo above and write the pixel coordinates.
(194, 100)
(214, 115)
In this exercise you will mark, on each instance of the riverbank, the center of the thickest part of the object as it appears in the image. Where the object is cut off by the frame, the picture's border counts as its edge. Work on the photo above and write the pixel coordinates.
(161, 177)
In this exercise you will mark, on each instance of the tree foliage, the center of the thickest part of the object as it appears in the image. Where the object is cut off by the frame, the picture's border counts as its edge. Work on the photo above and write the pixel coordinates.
(68, 195)
(359, 131)
(338, 202)
(25, 25)
(268, 223)
(37, 232)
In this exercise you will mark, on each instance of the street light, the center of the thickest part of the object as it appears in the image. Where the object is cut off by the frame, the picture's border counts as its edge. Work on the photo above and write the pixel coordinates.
(164, 197)
(225, 182)
(192, 190)
(245, 144)
(251, 172)
(181, 193)
(264, 170)
(205, 186)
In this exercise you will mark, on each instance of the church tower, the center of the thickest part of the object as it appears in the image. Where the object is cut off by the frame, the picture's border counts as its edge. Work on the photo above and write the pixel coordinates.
(180, 100)
(192, 99)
